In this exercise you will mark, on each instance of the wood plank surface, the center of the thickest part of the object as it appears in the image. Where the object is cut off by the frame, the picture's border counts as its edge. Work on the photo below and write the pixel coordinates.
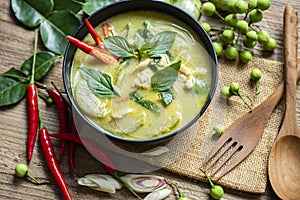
(16, 45)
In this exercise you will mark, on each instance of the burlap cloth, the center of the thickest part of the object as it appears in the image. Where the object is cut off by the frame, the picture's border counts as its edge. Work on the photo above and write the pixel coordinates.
(251, 174)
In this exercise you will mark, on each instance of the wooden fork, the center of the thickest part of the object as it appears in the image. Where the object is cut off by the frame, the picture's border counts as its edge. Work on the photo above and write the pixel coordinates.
(239, 139)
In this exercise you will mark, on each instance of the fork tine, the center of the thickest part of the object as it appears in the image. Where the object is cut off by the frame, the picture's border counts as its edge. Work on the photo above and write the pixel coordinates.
(235, 161)
(230, 154)
(219, 144)
(215, 158)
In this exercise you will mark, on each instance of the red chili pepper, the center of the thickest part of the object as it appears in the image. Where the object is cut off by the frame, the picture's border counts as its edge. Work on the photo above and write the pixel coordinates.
(53, 163)
(91, 146)
(94, 34)
(32, 98)
(107, 30)
(99, 53)
(63, 114)
(33, 108)
(72, 148)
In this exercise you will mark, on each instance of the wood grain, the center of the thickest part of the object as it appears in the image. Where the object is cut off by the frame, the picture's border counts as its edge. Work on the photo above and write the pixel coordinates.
(16, 45)
(284, 178)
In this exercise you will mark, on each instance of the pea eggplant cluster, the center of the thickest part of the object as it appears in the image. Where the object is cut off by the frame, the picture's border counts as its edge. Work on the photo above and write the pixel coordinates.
(240, 31)
(234, 88)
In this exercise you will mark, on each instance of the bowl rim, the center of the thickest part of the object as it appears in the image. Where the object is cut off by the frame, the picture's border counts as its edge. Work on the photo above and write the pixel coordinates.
(142, 5)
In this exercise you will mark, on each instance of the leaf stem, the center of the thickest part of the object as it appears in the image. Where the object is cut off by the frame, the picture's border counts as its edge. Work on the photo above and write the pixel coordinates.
(34, 57)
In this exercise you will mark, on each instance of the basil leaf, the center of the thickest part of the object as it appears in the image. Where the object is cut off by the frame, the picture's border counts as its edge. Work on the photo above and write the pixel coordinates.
(167, 97)
(56, 27)
(44, 62)
(90, 6)
(119, 46)
(163, 79)
(70, 5)
(98, 82)
(31, 12)
(149, 46)
(142, 36)
(164, 42)
(11, 91)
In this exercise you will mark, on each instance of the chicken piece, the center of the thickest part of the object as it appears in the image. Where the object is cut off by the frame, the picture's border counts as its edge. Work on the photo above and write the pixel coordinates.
(144, 79)
(164, 60)
(143, 64)
(185, 71)
(189, 81)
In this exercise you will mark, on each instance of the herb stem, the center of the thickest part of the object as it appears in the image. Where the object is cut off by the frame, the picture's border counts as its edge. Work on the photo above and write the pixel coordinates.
(34, 57)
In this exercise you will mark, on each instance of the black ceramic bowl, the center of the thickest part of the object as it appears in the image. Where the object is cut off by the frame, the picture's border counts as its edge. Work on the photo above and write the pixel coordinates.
(126, 6)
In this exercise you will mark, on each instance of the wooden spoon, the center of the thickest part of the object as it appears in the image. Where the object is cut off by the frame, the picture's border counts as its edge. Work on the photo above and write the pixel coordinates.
(284, 160)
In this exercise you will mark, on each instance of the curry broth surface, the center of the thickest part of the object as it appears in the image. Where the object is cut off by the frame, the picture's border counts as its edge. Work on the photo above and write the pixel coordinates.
(124, 117)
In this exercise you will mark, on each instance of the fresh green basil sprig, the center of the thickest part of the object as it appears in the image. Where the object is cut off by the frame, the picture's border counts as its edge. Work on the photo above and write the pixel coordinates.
(163, 79)
(100, 83)
(145, 44)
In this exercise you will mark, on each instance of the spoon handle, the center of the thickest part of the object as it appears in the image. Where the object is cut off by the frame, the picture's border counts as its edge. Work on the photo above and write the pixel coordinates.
(290, 62)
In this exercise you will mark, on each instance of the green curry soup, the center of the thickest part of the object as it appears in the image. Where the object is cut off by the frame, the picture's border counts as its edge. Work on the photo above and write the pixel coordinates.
(160, 82)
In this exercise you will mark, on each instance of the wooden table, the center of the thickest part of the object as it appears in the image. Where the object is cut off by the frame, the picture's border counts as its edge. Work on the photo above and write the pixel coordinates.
(16, 45)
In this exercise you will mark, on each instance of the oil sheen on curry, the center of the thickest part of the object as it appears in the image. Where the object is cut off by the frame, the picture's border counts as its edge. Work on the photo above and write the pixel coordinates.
(156, 79)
